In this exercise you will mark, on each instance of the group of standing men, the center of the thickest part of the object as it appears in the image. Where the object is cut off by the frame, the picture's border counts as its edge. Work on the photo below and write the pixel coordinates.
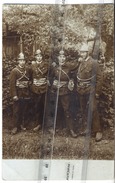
(82, 76)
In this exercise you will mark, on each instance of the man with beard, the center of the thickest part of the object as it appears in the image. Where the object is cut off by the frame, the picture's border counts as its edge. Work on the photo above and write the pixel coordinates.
(89, 80)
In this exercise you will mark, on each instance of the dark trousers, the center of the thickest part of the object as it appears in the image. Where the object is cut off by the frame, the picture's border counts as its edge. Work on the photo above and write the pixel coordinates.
(89, 111)
(65, 101)
(20, 112)
(50, 110)
(38, 107)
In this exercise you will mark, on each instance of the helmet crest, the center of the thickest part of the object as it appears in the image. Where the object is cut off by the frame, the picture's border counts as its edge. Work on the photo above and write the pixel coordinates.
(21, 56)
(38, 52)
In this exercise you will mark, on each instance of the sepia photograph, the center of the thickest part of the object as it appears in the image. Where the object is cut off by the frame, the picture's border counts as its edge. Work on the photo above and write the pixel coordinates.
(58, 81)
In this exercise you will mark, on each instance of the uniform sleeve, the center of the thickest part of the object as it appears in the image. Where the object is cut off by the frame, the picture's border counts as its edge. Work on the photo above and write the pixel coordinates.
(51, 74)
(73, 65)
(73, 68)
(30, 71)
(13, 91)
(46, 67)
(99, 79)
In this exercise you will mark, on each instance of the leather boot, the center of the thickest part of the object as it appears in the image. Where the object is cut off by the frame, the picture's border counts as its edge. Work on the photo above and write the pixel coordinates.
(22, 128)
(73, 134)
(14, 131)
(98, 136)
(37, 128)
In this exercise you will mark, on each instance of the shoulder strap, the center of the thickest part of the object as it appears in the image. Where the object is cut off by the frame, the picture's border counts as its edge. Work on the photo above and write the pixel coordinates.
(19, 71)
(65, 74)
(40, 70)
(23, 74)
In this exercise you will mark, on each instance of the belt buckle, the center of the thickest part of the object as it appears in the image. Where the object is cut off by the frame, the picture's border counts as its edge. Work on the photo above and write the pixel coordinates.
(81, 84)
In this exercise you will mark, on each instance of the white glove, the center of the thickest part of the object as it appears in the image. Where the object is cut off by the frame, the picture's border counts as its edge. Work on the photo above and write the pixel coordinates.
(15, 98)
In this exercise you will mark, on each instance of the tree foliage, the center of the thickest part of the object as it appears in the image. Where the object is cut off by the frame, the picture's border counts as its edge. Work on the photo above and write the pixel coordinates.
(49, 26)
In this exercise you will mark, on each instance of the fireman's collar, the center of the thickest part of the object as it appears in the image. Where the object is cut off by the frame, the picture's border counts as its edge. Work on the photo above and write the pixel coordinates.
(38, 62)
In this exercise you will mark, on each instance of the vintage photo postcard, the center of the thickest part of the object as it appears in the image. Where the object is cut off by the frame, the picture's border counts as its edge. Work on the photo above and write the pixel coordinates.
(58, 91)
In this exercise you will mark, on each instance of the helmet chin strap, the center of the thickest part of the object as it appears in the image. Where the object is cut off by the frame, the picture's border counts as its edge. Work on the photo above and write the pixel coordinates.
(21, 66)
(39, 62)
(62, 63)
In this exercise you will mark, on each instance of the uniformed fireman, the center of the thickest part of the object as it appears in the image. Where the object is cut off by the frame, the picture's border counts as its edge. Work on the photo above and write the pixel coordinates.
(39, 86)
(64, 84)
(89, 81)
(20, 93)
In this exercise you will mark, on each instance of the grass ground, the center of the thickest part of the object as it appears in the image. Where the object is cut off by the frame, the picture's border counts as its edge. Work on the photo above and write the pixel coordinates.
(29, 145)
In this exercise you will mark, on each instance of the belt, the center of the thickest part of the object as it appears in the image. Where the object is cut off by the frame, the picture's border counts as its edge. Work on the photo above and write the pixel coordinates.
(22, 84)
(83, 84)
(60, 84)
(85, 80)
(39, 82)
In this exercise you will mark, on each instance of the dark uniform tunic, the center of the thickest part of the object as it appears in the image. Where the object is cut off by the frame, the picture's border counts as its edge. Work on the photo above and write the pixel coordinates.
(39, 86)
(61, 78)
(89, 80)
(19, 86)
